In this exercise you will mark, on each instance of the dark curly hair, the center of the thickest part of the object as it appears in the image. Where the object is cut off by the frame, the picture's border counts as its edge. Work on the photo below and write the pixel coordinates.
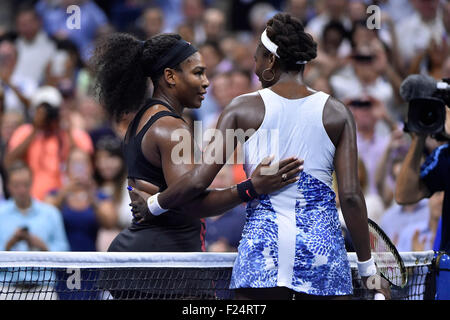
(121, 65)
(294, 44)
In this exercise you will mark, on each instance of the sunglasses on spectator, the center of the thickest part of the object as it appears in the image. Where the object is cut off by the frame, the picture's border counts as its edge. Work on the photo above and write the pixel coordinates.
(362, 58)
(360, 103)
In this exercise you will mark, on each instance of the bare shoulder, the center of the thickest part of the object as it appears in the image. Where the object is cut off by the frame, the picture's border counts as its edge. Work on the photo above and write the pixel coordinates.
(165, 127)
(245, 111)
(335, 117)
(337, 110)
(162, 136)
(245, 100)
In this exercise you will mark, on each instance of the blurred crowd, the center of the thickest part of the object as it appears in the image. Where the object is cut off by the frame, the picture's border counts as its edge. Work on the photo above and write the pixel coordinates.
(62, 169)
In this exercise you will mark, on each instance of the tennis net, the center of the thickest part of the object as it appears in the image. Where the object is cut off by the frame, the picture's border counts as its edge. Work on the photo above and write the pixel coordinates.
(136, 276)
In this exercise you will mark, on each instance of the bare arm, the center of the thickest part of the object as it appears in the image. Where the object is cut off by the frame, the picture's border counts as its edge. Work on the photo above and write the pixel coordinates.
(32, 240)
(187, 181)
(341, 128)
(19, 151)
(410, 188)
(195, 181)
(197, 178)
(106, 213)
(387, 193)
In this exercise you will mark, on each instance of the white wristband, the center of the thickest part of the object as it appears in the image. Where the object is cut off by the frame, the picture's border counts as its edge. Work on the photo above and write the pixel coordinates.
(153, 205)
(367, 268)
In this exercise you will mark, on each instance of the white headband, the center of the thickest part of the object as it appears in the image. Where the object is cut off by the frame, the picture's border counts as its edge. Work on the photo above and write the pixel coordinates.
(272, 47)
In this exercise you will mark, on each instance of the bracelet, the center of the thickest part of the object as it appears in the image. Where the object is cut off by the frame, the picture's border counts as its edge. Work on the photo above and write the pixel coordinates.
(153, 205)
(246, 190)
(367, 268)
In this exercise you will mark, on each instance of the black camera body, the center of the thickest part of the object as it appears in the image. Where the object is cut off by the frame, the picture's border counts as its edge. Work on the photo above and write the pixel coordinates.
(427, 114)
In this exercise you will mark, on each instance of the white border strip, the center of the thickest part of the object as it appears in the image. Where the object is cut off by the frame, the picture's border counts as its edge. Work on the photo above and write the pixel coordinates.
(9, 259)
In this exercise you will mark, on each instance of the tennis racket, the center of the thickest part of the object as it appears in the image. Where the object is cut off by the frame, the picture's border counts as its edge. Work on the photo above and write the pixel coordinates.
(387, 259)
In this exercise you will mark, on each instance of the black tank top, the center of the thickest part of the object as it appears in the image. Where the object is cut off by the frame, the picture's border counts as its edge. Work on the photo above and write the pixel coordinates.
(139, 167)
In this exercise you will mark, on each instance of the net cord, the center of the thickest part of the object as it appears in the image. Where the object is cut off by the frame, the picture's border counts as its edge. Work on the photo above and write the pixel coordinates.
(155, 259)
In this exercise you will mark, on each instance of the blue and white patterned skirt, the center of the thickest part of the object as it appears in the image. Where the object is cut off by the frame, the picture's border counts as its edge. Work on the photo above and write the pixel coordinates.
(302, 250)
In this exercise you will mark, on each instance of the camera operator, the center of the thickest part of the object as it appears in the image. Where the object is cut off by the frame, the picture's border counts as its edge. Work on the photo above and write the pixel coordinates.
(44, 144)
(417, 181)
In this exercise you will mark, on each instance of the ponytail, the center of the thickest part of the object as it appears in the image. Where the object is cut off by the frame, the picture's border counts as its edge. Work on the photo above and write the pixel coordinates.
(120, 80)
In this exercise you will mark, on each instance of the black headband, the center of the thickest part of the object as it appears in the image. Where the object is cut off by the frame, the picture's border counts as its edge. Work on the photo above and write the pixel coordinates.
(177, 54)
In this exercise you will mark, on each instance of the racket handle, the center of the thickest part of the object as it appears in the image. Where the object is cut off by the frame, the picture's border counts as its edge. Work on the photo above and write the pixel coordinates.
(379, 296)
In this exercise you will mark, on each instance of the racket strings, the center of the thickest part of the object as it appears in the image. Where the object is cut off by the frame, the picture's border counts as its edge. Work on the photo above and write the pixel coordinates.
(385, 258)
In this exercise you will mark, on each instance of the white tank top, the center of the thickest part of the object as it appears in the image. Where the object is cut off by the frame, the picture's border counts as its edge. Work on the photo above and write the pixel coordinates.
(293, 127)
(285, 227)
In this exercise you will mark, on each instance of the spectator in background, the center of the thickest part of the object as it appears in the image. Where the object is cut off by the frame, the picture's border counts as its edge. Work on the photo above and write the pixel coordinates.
(27, 224)
(85, 209)
(150, 23)
(110, 173)
(446, 68)
(221, 92)
(334, 10)
(421, 235)
(397, 9)
(360, 35)
(371, 142)
(389, 165)
(365, 75)
(241, 82)
(214, 24)
(399, 217)
(431, 61)
(298, 9)
(172, 13)
(214, 58)
(329, 59)
(193, 11)
(66, 68)
(243, 57)
(93, 21)
(446, 19)
(17, 89)
(89, 116)
(44, 145)
(357, 10)
(186, 32)
(258, 16)
(415, 32)
(215, 63)
(227, 45)
(2, 101)
(9, 122)
(35, 49)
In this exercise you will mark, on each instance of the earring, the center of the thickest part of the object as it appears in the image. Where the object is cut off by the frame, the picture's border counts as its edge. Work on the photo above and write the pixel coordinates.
(273, 75)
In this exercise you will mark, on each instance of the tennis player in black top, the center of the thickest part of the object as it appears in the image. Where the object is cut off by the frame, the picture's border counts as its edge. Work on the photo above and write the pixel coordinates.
(123, 67)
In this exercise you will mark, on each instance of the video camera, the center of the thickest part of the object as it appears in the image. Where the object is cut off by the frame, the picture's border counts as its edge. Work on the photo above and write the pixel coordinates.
(427, 100)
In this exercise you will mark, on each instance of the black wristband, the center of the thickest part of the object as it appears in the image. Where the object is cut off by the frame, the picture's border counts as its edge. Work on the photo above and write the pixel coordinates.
(246, 190)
